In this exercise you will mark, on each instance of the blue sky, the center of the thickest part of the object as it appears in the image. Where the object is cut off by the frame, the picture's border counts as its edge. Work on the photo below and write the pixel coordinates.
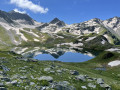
(70, 11)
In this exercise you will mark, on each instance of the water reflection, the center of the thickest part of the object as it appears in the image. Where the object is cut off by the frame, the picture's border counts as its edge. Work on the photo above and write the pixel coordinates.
(66, 57)
(63, 54)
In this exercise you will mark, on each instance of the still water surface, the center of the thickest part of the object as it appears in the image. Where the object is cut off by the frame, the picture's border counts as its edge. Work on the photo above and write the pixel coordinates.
(66, 57)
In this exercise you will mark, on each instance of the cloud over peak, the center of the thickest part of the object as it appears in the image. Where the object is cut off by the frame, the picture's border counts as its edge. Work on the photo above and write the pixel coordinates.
(16, 10)
(27, 4)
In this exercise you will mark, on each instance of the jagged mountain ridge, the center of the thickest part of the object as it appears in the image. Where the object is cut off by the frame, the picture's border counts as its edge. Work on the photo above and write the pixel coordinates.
(21, 28)
(12, 15)
(16, 16)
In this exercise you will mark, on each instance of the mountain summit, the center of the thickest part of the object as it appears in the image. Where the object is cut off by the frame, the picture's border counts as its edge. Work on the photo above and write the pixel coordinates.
(57, 22)
(20, 16)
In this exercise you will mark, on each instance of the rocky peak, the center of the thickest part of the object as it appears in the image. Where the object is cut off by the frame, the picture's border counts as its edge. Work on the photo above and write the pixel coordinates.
(54, 21)
(114, 19)
(5, 16)
(112, 22)
(15, 11)
(57, 22)
(97, 20)
(118, 18)
(20, 16)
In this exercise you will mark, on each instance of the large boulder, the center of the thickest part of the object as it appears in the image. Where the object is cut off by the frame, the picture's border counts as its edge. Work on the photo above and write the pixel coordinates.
(91, 85)
(106, 86)
(47, 78)
(74, 72)
(100, 81)
(14, 82)
(2, 85)
(63, 83)
(47, 69)
(83, 87)
(60, 87)
(81, 77)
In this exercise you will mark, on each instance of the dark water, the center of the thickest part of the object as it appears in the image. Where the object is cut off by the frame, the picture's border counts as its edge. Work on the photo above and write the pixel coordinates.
(101, 68)
(66, 57)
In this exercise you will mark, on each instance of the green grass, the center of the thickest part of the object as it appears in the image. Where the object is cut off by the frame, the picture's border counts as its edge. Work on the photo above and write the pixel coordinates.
(4, 36)
(36, 69)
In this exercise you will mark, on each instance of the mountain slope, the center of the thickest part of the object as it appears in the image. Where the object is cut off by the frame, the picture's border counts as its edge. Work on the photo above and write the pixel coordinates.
(21, 29)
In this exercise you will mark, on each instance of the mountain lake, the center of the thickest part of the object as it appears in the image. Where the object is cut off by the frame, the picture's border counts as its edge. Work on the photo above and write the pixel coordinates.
(66, 57)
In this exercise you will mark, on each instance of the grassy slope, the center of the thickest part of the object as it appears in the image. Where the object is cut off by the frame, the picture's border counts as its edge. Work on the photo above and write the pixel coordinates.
(5, 40)
(110, 76)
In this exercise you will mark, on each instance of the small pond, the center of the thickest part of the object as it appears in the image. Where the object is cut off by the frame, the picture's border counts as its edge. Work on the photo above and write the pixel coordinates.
(66, 57)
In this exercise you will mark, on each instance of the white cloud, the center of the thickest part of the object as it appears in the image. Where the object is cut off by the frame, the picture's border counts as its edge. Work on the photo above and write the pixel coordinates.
(16, 10)
(27, 4)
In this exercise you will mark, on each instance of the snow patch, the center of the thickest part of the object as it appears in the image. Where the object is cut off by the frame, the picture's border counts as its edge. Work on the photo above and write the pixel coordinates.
(73, 45)
(114, 63)
(30, 32)
(90, 38)
(22, 35)
(22, 50)
(36, 40)
(113, 49)
(18, 11)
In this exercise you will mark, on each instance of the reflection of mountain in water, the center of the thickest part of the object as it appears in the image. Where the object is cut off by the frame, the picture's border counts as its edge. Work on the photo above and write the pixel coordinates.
(58, 54)
(55, 52)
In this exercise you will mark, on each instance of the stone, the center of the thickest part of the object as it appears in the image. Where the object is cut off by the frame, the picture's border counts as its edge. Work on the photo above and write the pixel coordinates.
(52, 66)
(23, 71)
(32, 83)
(8, 83)
(106, 86)
(5, 68)
(60, 87)
(64, 69)
(32, 77)
(52, 72)
(90, 79)
(74, 72)
(32, 60)
(19, 57)
(63, 83)
(1, 72)
(2, 58)
(86, 76)
(38, 87)
(5, 78)
(3, 88)
(23, 77)
(2, 85)
(14, 82)
(59, 71)
(47, 69)
(91, 85)
(81, 77)
(100, 81)
(15, 76)
(43, 88)
(47, 78)
(83, 87)
(118, 75)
